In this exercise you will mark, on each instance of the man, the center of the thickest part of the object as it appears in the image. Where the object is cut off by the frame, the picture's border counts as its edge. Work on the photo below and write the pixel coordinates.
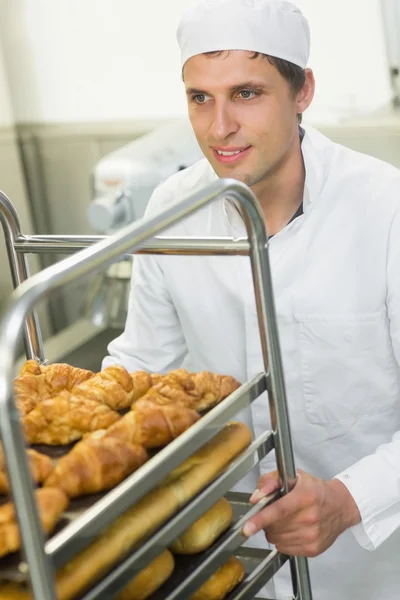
(335, 260)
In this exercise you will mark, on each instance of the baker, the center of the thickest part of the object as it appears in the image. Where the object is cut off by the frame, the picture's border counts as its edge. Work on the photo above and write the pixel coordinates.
(334, 218)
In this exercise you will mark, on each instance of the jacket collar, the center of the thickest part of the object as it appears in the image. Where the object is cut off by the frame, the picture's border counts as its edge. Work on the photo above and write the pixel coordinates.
(316, 149)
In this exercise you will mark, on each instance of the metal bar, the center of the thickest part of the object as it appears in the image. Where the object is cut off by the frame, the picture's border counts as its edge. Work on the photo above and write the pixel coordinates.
(80, 532)
(271, 351)
(20, 272)
(22, 494)
(259, 577)
(137, 561)
(68, 244)
(62, 244)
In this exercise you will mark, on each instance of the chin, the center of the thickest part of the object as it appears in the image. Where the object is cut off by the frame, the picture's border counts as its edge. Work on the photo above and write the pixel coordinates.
(242, 177)
(226, 173)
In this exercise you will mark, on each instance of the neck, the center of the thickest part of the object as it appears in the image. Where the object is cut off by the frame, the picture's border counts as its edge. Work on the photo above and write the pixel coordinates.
(281, 193)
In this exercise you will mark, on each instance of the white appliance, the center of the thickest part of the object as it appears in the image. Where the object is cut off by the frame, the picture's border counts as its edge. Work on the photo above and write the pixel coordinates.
(125, 179)
(123, 183)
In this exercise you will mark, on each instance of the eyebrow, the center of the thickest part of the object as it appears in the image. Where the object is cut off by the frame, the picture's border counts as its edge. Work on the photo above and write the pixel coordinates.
(247, 85)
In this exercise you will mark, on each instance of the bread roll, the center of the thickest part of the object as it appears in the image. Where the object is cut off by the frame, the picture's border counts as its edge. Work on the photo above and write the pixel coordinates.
(12, 591)
(224, 580)
(139, 522)
(149, 579)
(203, 533)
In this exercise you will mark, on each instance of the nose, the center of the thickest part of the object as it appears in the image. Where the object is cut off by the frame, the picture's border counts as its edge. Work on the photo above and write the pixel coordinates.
(223, 122)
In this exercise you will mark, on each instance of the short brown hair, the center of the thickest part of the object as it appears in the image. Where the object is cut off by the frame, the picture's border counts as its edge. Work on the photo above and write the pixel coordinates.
(294, 75)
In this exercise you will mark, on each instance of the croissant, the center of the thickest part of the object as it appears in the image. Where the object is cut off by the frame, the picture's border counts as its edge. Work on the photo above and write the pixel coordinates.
(65, 419)
(180, 391)
(37, 382)
(29, 390)
(41, 466)
(156, 378)
(58, 376)
(61, 376)
(51, 504)
(212, 388)
(115, 387)
(95, 464)
(32, 367)
(200, 391)
(153, 426)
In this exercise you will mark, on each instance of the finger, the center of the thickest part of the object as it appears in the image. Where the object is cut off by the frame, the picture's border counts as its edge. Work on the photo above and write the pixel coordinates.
(264, 478)
(262, 520)
(281, 511)
(266, 485)
(269, 483)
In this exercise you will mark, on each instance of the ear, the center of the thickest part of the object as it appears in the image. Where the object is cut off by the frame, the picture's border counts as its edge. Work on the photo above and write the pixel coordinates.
(306, 94)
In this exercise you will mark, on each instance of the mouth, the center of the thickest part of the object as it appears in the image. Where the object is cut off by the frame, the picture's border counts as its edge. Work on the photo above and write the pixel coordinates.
(230, 155)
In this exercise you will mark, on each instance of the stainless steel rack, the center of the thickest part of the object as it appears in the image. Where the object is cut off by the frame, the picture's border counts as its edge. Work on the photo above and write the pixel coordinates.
(96, 254)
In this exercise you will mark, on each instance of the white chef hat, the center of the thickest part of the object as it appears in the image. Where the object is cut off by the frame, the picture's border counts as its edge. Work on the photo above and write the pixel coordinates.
(274, 27)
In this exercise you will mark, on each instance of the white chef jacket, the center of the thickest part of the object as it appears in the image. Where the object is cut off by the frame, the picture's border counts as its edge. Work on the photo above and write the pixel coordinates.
(336, 278)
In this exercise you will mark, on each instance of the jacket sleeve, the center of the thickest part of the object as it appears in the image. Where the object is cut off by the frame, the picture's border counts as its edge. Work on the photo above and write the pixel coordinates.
(374, 481)
(153, 339)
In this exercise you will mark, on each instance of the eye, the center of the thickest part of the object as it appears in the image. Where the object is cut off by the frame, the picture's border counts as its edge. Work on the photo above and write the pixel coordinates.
(200, 98)
(247, 94)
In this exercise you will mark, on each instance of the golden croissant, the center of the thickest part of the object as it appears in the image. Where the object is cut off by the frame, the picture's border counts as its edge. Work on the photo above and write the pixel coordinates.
(38, 382)
(95, 464)
(33, 367)
(115, 387)
(65, 419)
(40, 465)
(29, 390)
(51, 504)
(200, 391)
(151, 425)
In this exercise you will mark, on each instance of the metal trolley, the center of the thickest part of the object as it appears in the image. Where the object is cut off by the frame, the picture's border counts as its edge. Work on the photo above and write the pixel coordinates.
(97, 253)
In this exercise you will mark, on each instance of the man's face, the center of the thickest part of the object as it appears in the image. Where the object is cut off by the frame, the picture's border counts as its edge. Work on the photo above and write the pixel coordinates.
(243, 113)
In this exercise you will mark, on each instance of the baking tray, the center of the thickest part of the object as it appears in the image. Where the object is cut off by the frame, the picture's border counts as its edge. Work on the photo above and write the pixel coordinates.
(187, 565)
(180, 585)
(14, 569)
(251, 558)
(143, 554)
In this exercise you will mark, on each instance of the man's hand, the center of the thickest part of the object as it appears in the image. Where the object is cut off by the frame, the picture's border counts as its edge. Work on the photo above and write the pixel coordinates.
(307, 520)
